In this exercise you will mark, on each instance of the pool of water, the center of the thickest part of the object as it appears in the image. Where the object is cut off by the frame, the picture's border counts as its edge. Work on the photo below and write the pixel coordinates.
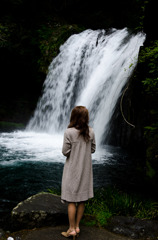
(32, 162)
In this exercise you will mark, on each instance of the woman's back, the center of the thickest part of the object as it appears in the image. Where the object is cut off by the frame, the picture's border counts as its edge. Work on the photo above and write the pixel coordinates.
(77, 183)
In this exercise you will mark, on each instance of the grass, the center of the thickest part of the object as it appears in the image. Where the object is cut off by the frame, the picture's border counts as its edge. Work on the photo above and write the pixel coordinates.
(110, 202)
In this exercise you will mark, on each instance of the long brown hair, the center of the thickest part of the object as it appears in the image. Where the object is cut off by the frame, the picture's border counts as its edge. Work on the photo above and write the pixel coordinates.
(79, 119)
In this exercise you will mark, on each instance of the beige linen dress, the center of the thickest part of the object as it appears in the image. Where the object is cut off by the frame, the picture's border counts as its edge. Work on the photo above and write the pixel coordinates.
(77, 180)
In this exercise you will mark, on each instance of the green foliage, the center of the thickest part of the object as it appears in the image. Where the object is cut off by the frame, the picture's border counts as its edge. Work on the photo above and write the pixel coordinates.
(112, 199)
(51, 37)
(150, 172)
(148, 59)
(102, 217)
(4, 35)
(152, 130)
(143, 6)
(111, 202)
(152, 156)
(148, 211)
(11, 124)
(54, 191)
(149, 55)
(96, 208)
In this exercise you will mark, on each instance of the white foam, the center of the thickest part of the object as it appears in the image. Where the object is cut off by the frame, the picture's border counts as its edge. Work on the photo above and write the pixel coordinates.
(30, 146)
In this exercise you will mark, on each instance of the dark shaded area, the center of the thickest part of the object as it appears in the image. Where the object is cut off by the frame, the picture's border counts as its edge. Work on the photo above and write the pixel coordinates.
(126, 125)
(133, 227)
(150, 21)
(101, 14)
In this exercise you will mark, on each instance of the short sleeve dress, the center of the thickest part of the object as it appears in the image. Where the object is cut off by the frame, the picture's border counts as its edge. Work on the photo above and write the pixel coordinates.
(77, 179)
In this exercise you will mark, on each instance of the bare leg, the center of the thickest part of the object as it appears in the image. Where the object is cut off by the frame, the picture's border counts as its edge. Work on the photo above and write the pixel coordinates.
(80, 211)
(72, 215)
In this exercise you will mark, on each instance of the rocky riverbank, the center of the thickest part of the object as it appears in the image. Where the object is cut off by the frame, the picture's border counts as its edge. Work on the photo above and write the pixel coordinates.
(43, 216)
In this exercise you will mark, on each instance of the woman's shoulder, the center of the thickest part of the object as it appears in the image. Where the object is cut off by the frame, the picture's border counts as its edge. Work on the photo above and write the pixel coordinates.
(72, 134)
(71, 131)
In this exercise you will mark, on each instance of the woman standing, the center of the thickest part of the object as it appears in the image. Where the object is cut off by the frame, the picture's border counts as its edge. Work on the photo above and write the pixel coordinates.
(77, 180)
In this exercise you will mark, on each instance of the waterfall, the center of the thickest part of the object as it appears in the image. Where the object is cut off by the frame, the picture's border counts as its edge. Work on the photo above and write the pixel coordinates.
(91, 70)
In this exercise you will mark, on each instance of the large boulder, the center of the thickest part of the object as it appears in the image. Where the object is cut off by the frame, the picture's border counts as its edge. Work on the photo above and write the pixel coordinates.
(43, 209)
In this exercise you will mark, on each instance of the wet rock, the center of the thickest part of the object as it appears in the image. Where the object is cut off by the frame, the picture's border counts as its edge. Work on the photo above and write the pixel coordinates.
(43, 209)
(133, 227)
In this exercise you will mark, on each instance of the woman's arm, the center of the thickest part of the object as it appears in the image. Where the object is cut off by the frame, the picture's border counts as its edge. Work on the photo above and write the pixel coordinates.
(66, 149)
(93, 144)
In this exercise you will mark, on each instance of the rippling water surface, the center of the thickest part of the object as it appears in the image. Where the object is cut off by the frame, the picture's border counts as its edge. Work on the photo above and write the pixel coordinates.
(32, 162)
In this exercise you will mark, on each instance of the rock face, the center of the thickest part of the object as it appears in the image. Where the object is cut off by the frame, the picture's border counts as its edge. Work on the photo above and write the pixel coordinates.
(43, 209)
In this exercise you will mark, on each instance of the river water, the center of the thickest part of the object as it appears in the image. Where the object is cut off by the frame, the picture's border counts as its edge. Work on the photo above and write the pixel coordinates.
(32, 162)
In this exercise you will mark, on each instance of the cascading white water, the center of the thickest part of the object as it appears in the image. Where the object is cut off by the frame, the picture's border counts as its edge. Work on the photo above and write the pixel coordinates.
(91, 70)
